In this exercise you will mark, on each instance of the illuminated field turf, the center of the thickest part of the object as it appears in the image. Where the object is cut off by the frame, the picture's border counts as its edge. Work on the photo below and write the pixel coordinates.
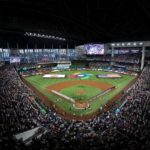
(80, 92)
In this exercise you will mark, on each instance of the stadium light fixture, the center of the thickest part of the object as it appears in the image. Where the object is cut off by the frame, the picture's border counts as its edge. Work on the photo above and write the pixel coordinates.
(128, 44)
(134, 43)
(118, 44)
(113, 44)
(141, 43)
(123, 44)
(38, 35)
(44, 36)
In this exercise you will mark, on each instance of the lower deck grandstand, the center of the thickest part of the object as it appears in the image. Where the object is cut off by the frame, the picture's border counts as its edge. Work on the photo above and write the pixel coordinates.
(124, 125)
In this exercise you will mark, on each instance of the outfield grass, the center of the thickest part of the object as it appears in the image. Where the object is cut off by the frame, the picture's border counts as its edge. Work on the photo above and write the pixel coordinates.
(40, 83)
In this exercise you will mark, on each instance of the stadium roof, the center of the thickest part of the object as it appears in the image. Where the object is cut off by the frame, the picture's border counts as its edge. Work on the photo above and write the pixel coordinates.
(78, 21)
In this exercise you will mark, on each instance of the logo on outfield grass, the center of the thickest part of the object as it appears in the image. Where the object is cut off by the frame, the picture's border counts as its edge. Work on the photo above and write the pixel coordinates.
(108, 76)
(80, 75)
(54, 76)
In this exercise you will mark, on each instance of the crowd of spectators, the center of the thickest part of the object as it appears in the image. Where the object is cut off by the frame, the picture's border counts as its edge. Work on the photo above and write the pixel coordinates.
(127, 129)
(104, 65)
(17, 111)
(131, 62)
(98, 64)
(124, 58)
(103, 58)
(129, 67)
(134, 58)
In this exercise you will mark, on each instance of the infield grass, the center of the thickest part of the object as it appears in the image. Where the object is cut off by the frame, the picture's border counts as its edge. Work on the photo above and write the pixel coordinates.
(81, 92)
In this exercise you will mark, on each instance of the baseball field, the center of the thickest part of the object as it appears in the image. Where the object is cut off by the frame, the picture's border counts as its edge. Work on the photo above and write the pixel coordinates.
(88, 89)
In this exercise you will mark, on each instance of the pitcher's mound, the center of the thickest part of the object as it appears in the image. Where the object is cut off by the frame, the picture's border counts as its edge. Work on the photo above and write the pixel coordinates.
(81, 105)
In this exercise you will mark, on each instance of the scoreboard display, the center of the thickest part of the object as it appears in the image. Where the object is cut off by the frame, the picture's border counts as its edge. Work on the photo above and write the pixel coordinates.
(94, 49)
